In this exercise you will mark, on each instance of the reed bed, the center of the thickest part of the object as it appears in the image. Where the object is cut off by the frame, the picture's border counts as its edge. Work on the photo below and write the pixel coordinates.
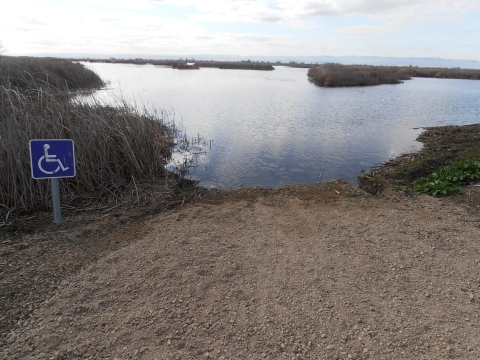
(116, 147)
(336, 75)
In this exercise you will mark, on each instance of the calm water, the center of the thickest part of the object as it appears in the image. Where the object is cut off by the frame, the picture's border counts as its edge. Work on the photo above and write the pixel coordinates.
(274, 128)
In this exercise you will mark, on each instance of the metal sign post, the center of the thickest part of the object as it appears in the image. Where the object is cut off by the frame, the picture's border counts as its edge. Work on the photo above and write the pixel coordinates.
(57, 213)
(53, 159)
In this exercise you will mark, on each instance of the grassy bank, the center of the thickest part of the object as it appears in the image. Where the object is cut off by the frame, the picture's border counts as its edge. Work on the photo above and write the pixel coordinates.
(116, 148)
(336, 75)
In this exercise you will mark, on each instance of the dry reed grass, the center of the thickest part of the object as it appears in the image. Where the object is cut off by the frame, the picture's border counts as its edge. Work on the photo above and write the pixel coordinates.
(115, 146)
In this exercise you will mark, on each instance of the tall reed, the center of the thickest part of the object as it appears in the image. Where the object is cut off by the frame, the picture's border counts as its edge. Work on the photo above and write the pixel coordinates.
(114, 145)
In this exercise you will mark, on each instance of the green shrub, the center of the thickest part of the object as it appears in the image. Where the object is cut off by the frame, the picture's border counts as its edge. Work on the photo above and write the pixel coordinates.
(448, 179)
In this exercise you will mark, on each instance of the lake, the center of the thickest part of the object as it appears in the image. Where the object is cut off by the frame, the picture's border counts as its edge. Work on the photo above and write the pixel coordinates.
(274, 128)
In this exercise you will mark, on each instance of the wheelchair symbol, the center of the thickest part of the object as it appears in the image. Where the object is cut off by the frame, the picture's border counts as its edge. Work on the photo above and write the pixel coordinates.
(49, 159)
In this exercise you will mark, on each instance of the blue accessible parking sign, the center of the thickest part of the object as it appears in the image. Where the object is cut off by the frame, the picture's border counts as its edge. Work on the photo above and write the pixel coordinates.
(53, 158)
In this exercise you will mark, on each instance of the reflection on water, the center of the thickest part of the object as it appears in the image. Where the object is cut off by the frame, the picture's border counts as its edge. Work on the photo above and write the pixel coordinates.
(274, 128)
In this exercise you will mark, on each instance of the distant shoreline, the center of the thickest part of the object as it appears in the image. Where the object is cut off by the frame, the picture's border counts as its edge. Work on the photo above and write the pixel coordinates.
(325, 75)
(191, 64)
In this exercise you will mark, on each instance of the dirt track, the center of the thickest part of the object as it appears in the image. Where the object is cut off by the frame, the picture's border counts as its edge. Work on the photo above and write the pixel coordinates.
(310, 272)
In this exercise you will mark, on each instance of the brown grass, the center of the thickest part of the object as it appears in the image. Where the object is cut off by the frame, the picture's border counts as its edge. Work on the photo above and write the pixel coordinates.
(114, 146)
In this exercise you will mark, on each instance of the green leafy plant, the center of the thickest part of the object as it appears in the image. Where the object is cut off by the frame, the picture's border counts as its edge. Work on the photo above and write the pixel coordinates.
(447, 180)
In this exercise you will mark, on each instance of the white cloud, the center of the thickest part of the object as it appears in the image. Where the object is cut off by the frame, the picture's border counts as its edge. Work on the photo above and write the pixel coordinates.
(381, 8)
(299, 13)
(144, 27)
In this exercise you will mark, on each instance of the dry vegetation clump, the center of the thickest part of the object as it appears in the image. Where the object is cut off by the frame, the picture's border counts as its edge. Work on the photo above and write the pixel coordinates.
(336, 75)
(115, 146)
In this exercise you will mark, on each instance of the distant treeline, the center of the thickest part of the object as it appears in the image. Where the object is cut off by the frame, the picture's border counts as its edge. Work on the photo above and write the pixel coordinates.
(236, 65)
(180, 64)
(117, 148)
(337, 75)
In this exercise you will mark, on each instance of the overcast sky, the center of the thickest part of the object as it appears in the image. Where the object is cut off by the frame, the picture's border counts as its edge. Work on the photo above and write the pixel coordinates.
(398, 28)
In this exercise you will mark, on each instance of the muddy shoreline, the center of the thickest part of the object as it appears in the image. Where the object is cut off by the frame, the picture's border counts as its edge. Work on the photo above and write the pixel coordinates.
(443, 146)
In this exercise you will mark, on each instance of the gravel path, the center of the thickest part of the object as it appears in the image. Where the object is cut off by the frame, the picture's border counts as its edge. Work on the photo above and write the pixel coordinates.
(300, 272)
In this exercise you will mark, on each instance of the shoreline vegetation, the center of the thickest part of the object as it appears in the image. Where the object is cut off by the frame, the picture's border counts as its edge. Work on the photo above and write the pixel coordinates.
(337, 75)
(449, 160)
(118, 148)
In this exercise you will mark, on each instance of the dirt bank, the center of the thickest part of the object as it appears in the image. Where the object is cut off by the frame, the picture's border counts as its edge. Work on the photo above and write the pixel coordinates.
(312, 272)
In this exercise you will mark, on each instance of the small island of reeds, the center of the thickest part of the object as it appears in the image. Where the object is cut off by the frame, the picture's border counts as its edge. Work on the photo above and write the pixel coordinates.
(337, 75)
